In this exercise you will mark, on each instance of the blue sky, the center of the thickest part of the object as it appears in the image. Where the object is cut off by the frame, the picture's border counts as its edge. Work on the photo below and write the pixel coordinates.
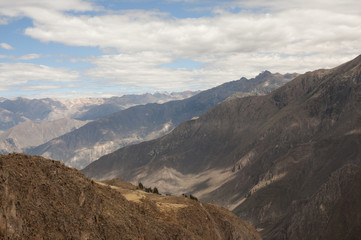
(98, 48)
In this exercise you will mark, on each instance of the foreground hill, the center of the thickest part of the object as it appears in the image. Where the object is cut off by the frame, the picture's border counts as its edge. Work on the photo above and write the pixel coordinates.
(43, 199)
(255, 155)
(145, 122)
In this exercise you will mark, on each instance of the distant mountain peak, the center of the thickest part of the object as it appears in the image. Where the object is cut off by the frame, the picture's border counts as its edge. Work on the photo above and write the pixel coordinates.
(265, 73)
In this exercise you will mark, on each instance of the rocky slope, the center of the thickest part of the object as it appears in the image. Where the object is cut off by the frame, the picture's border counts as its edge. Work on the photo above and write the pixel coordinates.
(332, 213)
(30, 134)
(255, 155)
(43, 199)
(145, 122)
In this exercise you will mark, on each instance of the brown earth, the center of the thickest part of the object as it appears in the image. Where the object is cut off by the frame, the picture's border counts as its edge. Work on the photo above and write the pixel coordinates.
(44, 199)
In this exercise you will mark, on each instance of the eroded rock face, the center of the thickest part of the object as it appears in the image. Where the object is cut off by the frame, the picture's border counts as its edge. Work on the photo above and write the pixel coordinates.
(43, 199)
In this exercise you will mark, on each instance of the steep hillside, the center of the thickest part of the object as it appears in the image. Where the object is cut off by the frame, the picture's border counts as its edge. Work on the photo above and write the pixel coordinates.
(43, 199)
(332, 213)
(145, 122)
(30, 134)
(255, 155)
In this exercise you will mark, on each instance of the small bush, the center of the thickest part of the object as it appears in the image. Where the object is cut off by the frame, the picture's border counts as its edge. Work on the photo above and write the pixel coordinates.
(155, 190)
(148, 190)
(193, 197)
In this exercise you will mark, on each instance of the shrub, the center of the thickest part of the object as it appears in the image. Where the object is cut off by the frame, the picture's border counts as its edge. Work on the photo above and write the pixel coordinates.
(155, 190)
(193, 197)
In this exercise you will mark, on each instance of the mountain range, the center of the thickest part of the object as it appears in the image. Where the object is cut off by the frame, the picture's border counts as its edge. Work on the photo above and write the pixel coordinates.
(145, 122)
(273, 159)
(19, 110)
(43, 199)
(30, 134)
(26, 123)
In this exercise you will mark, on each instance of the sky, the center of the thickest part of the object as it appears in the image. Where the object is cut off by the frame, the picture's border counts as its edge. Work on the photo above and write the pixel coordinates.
(100, 48)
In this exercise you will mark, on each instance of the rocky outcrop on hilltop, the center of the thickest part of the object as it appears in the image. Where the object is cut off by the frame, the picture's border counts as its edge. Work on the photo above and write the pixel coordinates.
(44, 199)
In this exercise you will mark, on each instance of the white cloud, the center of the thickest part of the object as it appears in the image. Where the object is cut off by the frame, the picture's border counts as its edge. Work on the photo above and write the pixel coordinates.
(42, 87)
(343, 6)
(31, 56)
(6, 46)
(4, 20)
(16, 74)
(280, 36)
(186, 1)
(16, 8)
(140, 70)
(230, 45)
(295, 31)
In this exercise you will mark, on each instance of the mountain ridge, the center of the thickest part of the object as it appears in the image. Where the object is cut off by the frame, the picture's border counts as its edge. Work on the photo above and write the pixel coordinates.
(258, 154)
(145, 122)
(18, 110)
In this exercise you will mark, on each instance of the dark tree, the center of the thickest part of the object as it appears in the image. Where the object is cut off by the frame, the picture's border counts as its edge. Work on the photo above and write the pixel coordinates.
(193, 197)
(155, 190)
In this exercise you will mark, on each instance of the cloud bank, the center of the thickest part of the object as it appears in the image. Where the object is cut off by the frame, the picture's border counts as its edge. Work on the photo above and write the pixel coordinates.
(238, 38)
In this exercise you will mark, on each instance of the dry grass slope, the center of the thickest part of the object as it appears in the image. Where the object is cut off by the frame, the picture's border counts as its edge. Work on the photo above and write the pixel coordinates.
(44, 199)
